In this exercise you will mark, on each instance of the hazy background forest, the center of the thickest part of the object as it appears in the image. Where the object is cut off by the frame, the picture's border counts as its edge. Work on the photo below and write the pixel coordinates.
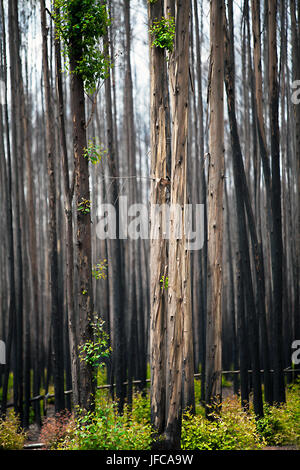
(62, 287)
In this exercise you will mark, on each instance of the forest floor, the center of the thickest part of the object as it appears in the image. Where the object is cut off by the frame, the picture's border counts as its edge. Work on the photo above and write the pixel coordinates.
(33, 433)
(280, 448)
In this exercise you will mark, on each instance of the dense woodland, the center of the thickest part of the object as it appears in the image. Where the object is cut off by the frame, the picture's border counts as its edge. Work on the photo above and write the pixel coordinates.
(164, 102)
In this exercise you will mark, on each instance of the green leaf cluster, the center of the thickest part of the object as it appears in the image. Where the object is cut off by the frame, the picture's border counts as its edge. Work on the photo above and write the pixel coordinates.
(81, 24)
(164, 282)
(99, 270)
(84, 206)
(92, 352)
(94, 152)
(163, 31)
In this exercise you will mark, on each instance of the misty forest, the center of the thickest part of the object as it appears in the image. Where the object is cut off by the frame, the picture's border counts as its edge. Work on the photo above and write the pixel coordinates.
(150, 224)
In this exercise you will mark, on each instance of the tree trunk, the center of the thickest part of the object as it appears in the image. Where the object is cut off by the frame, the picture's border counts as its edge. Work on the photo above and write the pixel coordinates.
(215, 208)
(68, 195)
(83, 236)
(238, 171)
(279, 387)
(14, 45)
(114, 252)
(179, 329)
(158, 243)
(10, 234)
(56, 309)
(296, 113)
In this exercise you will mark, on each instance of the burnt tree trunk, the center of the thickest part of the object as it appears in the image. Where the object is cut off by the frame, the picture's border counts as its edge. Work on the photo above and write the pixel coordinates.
(56, 309)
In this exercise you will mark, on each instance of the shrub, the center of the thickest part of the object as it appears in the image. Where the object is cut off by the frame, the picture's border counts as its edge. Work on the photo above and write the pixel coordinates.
(281, 424)
(106, 430)
(141, 411)
(57, 430)
(11, 436)
(233, 429)
(293, 410)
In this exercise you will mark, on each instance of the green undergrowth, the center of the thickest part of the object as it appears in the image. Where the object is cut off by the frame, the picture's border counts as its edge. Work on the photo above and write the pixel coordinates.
(280, 425)
(231, 429)
(105, 429)
(11, 435)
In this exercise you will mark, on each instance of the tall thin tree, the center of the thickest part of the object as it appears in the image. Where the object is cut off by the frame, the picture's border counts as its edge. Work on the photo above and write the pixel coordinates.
(215, 206)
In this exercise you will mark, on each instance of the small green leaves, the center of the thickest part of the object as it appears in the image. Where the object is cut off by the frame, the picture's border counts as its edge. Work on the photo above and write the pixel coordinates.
(84, 206)
(99, 271)
(92, 352)
(163, 31)
(164, 282)
(94, 152)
